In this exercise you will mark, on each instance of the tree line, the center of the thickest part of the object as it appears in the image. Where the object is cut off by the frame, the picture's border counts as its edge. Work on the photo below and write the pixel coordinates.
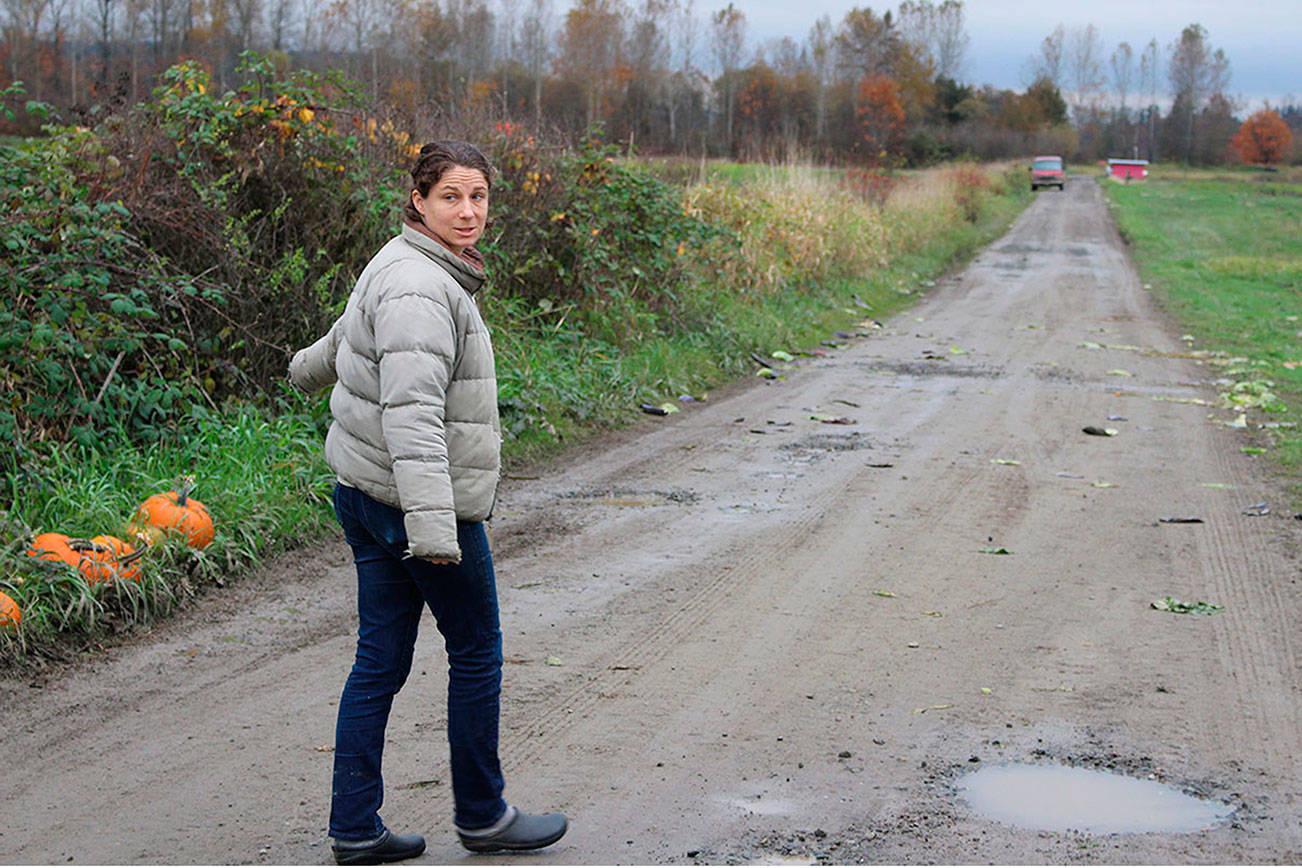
(663, 76)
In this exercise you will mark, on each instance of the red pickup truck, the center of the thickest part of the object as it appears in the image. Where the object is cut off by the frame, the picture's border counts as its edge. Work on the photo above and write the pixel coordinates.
(1047, 172)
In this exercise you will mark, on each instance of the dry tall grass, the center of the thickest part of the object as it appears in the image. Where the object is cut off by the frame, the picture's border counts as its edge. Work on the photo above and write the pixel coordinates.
(802, 225)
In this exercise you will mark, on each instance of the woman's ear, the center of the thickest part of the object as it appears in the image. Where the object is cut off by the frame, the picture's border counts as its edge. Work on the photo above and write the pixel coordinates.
(418, 202)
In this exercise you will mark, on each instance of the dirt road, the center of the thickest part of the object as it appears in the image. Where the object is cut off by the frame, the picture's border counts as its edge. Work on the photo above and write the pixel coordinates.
(739, 634)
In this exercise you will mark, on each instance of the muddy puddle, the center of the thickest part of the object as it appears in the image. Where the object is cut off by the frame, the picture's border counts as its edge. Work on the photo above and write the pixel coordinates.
(1062, 798)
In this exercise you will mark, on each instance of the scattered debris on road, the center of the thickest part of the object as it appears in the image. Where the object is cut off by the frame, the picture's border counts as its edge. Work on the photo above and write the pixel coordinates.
(1096, 431)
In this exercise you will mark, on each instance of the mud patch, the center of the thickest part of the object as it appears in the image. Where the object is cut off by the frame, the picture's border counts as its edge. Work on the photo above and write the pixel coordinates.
(818, 445)
(631, 497)
(935, 369)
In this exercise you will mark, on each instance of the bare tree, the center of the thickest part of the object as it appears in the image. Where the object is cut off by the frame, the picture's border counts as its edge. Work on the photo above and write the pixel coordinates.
(1048, 63)
(1150, 62)
(23, 21)
(1084, 57)
(729, 31)
(279, 19)
(1122, 64)
(535, 49)
(820, 51)
(938, 31)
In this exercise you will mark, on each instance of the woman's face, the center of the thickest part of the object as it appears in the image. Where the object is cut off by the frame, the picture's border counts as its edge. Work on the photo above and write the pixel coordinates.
(456, 208)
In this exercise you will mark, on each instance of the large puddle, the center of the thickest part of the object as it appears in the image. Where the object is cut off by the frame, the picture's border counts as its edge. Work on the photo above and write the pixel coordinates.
(1061, 798)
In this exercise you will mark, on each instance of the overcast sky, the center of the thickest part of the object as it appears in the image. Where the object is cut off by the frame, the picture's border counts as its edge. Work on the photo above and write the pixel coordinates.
(1262, 38)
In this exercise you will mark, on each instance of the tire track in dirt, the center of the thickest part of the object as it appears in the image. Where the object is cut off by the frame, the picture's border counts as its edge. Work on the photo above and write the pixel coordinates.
(1256, 631)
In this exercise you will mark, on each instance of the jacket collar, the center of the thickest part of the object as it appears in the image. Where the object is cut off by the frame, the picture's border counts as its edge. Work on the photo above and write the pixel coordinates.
(467, 270)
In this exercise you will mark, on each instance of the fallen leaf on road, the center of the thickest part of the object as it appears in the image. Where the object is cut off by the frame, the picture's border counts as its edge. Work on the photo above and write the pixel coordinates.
(1011, 462)
(1180, 520)
(1099, 432)
(994, 550)
(1098, 483)
(1224, 485)
(1115, 418)
(881, 465)
(783, 356)
(656, 410)
(987, 691)
(768, 374)
(554, 661)
(1240, 421)
(933, 614)
(882, 593)
(1118, 372)
(1257, 509)
(959, 351)
(1252, 450)
(1168, 604)
(1067, 475)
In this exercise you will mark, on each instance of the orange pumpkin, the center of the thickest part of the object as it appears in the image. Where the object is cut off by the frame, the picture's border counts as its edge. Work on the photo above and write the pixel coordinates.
(178, 513)
(53, 547)
(10, 614)
(101, 559)
(116, 559)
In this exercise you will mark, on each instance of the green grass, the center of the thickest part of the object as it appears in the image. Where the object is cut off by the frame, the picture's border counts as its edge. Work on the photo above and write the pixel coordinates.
(1223, 252)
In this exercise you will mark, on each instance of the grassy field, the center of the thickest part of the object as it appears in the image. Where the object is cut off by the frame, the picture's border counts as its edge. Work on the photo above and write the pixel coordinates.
(1222, 249)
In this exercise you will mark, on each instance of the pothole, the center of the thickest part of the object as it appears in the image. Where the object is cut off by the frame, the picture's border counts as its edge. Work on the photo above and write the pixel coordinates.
(1055, 798)
(938, 368)
(631, 497)
(827, 443)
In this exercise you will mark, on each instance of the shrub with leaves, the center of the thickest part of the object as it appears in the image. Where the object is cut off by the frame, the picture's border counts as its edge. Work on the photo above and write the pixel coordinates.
(584, 235)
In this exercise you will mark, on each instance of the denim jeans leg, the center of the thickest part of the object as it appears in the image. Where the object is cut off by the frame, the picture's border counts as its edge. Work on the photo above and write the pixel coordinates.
(463, 598)
(389, 606)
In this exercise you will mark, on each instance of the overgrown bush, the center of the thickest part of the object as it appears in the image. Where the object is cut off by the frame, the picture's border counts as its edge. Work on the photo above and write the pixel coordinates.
(587, 237)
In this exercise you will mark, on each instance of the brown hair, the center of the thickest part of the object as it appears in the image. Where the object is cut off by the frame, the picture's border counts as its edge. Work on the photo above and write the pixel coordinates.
(435, 159)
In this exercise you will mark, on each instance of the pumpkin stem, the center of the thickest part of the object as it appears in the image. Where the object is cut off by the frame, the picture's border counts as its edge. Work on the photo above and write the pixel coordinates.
(183, 490)
(85, 545)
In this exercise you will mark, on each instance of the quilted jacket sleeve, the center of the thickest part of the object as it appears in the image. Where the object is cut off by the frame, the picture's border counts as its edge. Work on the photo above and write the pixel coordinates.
(313, 367)
(415, 342)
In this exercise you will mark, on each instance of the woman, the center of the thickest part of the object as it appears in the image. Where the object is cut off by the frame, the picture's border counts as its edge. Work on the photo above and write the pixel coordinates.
(415, 445)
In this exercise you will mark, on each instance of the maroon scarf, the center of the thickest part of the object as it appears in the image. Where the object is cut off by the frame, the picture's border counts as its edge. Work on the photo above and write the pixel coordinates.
(470, 254)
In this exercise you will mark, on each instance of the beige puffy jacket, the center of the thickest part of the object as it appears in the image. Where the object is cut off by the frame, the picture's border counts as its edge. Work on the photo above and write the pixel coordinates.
(415, 394)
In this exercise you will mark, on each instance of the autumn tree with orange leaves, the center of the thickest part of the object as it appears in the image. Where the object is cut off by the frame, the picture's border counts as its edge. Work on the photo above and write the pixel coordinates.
(881, 117)
(1264, 138)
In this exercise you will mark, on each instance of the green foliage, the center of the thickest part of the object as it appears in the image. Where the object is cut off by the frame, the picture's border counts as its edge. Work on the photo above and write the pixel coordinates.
(589, 237)
(168, 262)
(88, 340)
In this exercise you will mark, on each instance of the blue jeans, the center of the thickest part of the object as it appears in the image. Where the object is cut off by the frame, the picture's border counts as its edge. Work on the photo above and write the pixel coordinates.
(391, 592)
